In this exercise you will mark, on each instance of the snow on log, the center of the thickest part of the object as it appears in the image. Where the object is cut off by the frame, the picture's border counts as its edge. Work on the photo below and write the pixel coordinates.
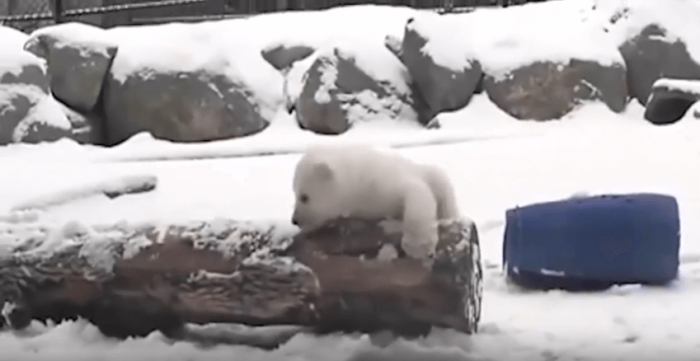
(130, 280)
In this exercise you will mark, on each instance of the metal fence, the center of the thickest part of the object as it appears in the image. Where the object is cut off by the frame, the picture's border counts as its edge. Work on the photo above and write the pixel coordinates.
(28, 15)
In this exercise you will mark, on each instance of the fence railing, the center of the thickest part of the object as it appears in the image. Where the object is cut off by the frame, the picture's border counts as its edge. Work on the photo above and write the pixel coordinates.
(28, 15)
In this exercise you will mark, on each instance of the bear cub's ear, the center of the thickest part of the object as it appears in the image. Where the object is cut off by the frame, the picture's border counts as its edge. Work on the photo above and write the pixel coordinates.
(323, 171)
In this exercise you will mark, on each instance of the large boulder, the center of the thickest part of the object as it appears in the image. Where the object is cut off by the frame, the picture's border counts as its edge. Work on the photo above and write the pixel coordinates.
(530, 68)
(445, 83)
(671, 99)
(549, 90)
(371, 83)
(542, 67)
(345, 84)
(650, 56)
(205, 87)
(657, 40)
(78, 58)
(28, 111)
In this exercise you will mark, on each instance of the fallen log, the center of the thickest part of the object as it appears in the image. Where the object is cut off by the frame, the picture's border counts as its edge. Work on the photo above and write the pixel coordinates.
(132, 280)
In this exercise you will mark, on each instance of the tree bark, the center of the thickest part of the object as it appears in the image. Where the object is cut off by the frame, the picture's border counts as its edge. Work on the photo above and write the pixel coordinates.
(132, 280)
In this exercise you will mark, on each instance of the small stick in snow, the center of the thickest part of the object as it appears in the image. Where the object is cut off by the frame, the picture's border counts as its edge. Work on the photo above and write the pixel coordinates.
(112, 188)
(129, 185)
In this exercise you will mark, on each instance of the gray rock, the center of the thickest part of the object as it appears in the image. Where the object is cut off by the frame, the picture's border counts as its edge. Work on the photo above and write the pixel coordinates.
(282, 57)
(79, 57)
(547, 90)
(192, 106)
(208, 86)
(336, 93)
(87, 128)
(323, 116)
(25, 70)
(441, 88)
(28, 113)
(650, 56)
(671, 99)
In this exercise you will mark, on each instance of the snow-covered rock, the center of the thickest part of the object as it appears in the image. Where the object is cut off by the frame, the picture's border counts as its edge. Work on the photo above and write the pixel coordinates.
(345, 85)
(286, 33)
(549, 90)
(363, 81)
(657, 39)
(28, 111)
(78, 58)
(442, 88)
(189, 83)
(536, 65)
(671, 99)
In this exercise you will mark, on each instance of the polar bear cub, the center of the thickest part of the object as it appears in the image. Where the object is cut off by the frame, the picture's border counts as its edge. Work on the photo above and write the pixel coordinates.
(370, 182)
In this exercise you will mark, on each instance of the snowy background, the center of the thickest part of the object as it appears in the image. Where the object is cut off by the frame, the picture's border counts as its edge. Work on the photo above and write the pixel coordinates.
(495, 161)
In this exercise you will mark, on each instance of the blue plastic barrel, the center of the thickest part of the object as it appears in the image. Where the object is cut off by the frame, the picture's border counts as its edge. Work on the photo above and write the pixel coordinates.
(593, 242)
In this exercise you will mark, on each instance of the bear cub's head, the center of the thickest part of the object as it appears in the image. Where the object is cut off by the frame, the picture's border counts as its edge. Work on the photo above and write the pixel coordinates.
(318, 195)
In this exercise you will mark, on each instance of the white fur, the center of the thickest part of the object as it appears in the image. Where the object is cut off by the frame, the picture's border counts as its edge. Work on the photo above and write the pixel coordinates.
(366, 182)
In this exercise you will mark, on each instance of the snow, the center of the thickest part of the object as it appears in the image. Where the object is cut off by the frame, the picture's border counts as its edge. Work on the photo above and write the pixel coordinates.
(294, 79)
(684, 85)
(318, 28)
(329, 75)
(112, 185)
(382, 65)
(532, 34)
(334, 32)
(693, 113)
(174, 48)
(46, 109)
(370, 58)
(678, 17)
(260, 236)
(179, 47)
(13, 58)
(495, 162)
(583, 154)
(12, 38)
(86, 38)
(15, 61)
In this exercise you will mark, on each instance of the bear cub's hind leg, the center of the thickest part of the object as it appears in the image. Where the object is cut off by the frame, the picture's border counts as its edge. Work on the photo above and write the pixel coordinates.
(420, 231)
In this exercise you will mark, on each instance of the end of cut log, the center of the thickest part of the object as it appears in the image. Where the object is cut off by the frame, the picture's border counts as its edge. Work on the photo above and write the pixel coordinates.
(361, 292)
(132, 280)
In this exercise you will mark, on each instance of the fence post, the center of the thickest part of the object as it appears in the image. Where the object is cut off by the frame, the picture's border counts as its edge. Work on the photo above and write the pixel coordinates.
(58, 11)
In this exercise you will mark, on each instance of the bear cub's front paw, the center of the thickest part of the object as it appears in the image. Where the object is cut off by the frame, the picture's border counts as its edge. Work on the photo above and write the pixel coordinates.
(419, 248)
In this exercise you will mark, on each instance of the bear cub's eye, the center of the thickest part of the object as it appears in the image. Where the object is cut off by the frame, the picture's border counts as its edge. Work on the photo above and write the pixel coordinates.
(304, 198)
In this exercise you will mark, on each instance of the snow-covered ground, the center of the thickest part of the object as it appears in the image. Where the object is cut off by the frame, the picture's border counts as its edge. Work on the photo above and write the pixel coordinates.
(496, 163)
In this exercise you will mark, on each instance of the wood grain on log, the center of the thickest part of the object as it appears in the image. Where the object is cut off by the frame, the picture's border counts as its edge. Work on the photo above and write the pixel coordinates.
(132, 280)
